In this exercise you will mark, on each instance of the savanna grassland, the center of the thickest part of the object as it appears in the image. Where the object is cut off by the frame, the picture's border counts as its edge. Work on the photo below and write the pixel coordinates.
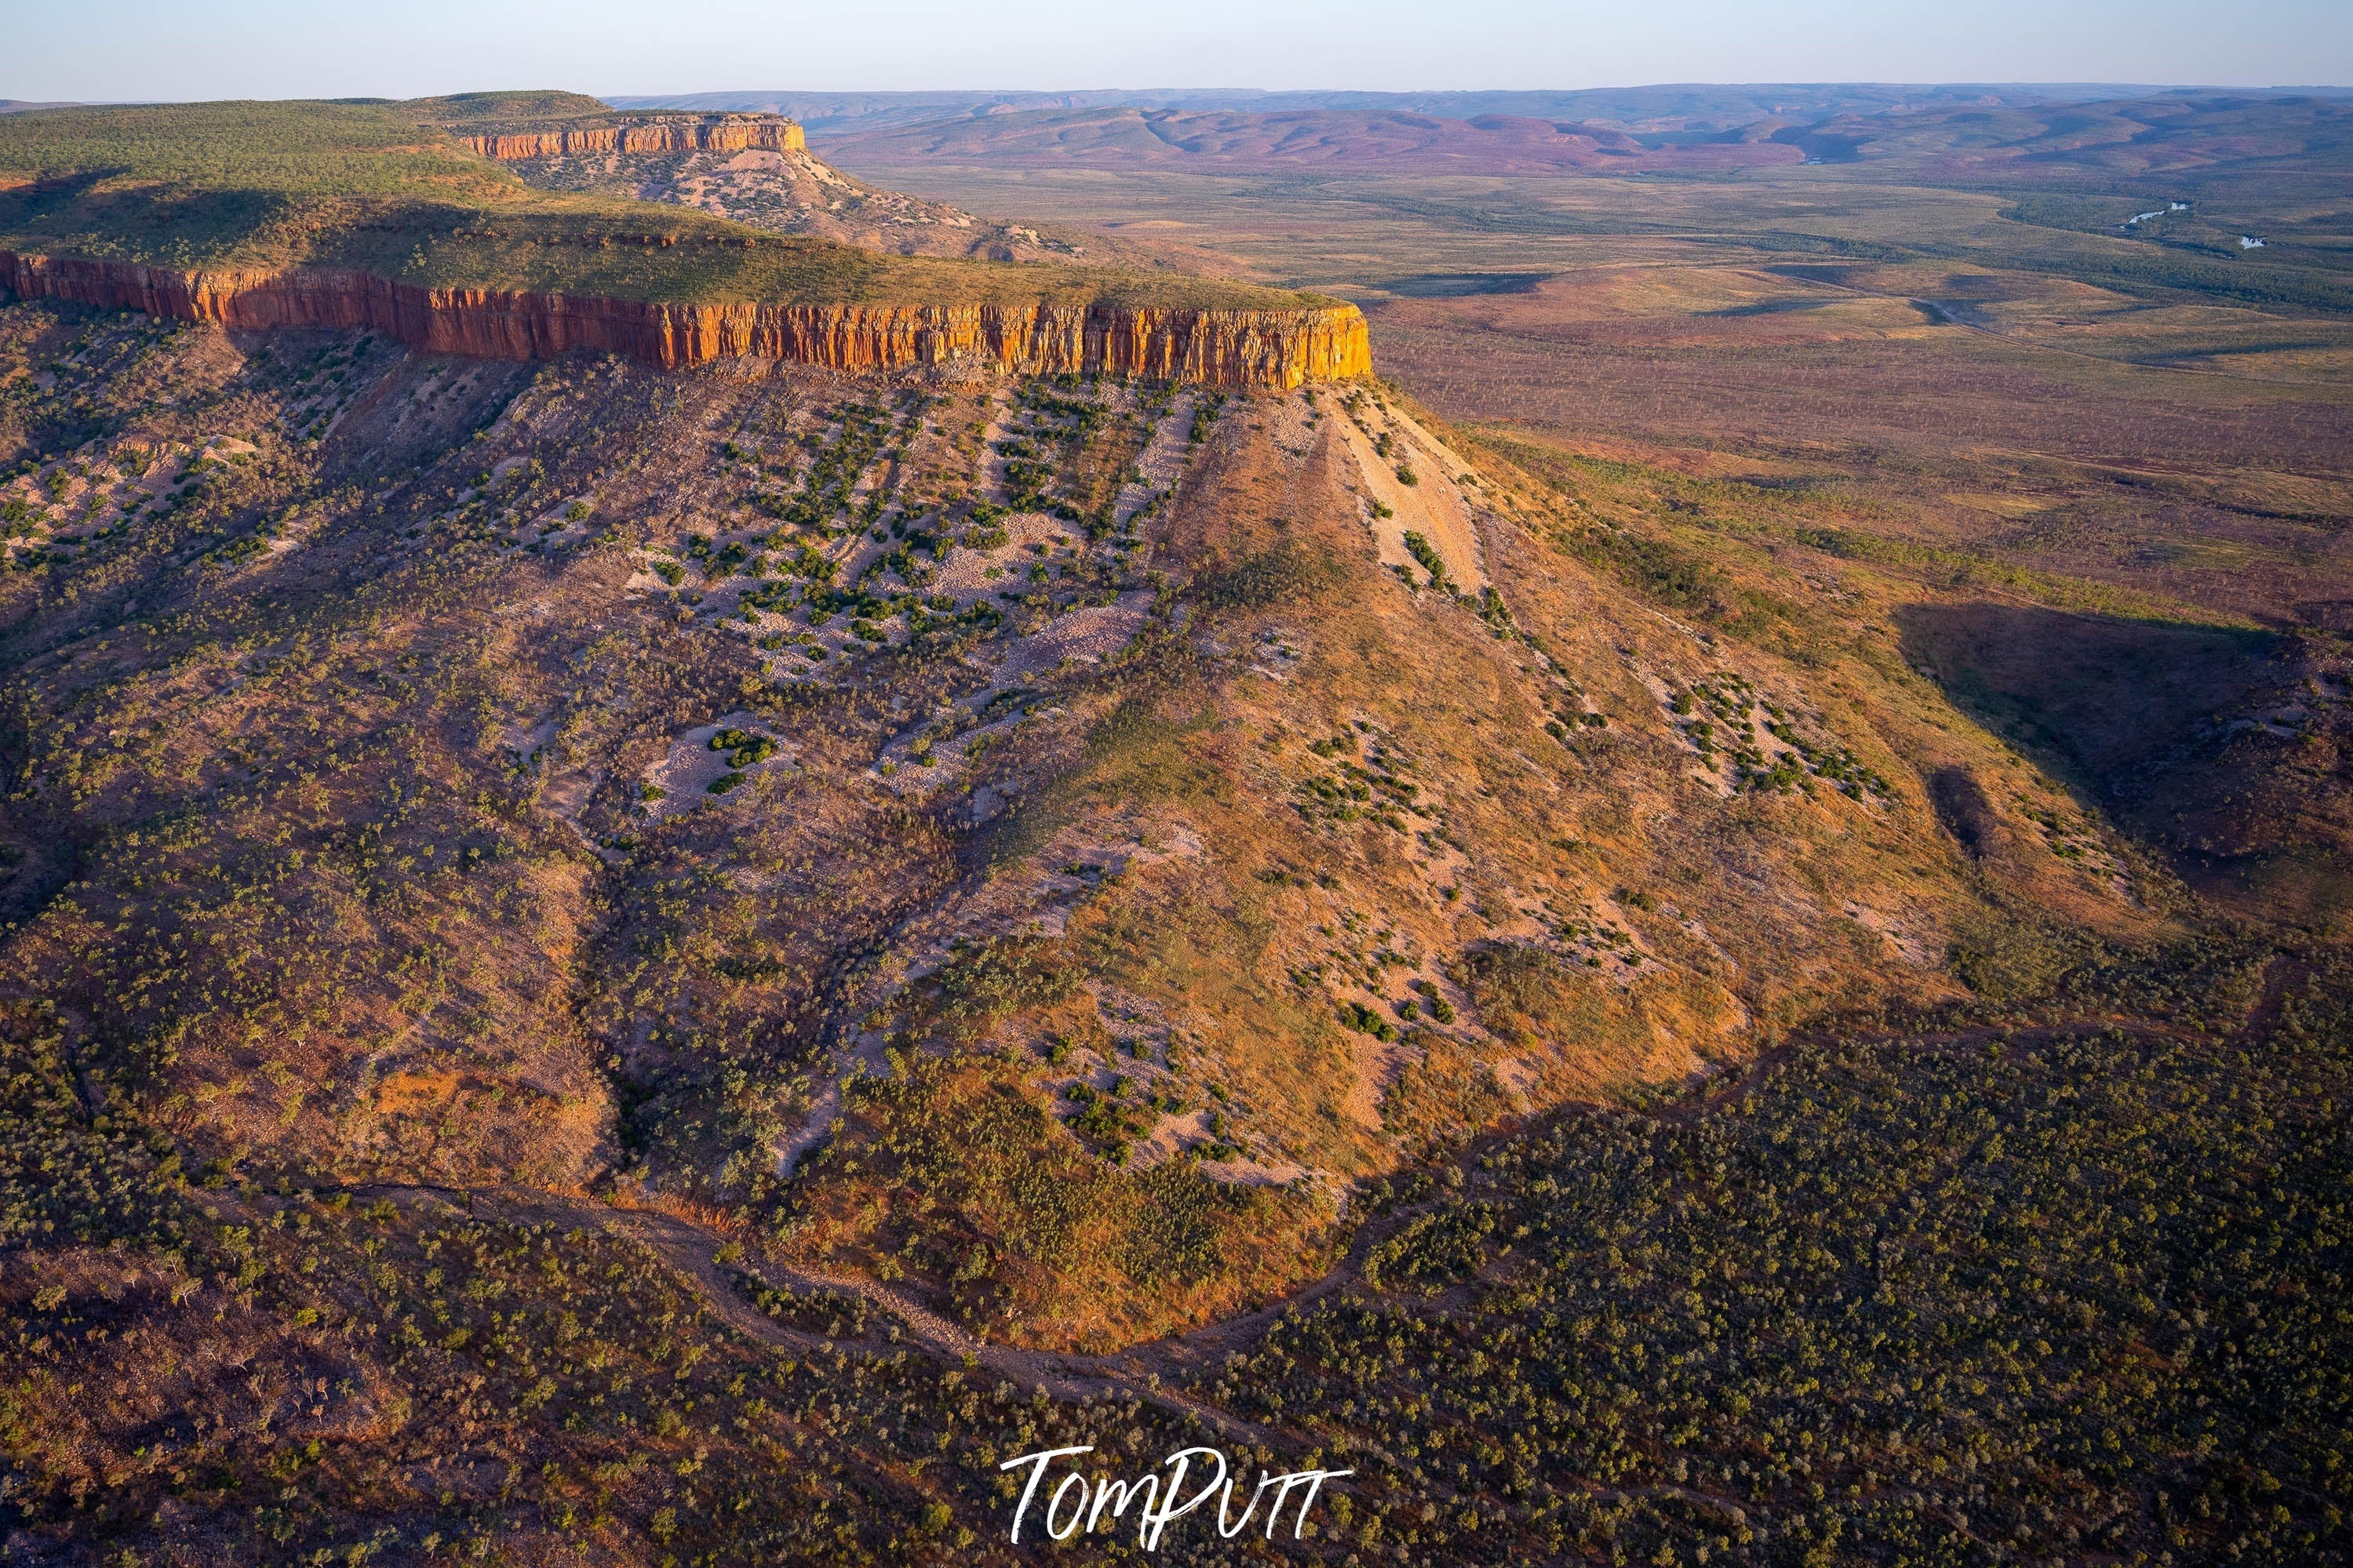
(1706, 925)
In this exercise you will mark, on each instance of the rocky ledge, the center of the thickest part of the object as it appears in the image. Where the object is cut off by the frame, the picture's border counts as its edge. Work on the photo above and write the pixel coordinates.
(1240, 349)
(707, 133)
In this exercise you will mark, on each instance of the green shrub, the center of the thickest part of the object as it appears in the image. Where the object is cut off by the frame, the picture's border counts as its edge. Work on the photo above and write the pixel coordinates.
(743, 748)
(1283, 574)
(1000, 976)
(1432, 561)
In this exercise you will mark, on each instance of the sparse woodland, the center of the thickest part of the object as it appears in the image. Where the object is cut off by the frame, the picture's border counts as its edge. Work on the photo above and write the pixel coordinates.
(612, 966)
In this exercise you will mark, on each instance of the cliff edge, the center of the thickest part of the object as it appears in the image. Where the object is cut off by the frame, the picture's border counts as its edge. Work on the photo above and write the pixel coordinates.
(640, 134)
(1238, 348)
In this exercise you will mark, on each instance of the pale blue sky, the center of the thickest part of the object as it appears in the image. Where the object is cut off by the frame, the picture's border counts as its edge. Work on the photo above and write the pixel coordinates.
(279, 49)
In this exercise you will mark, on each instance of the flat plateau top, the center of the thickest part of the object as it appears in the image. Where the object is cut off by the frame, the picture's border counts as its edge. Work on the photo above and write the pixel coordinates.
(382, 187)
(522, 113)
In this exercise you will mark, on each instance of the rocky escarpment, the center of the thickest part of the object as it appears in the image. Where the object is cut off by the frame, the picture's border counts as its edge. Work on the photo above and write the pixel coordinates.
(718, 133)
(796, 193)
(1237, 348)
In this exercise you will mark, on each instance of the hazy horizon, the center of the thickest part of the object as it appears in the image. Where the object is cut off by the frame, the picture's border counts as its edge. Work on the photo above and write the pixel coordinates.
(2086, 89)
(143, 51)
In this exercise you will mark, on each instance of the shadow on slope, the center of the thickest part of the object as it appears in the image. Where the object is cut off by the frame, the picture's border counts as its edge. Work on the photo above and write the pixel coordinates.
(2225, 748)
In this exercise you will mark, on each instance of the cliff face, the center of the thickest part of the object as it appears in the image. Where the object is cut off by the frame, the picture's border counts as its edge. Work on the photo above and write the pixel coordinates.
(734, 134)
(1240, 349)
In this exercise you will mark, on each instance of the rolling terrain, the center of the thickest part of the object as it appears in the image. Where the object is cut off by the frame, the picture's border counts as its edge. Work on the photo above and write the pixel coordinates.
(1706, 923)
(1708, 107)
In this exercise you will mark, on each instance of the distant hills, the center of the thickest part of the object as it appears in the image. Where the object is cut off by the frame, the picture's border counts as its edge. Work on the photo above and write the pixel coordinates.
(1337, 140)
(1685, 107)
(1673, 107)
(2055, 136)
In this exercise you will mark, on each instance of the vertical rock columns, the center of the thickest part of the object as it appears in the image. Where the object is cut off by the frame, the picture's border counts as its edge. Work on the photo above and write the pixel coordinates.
(1240, 349)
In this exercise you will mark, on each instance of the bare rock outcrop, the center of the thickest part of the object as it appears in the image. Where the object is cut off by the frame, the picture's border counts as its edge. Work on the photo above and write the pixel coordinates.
(1237, 348)
(718, 133)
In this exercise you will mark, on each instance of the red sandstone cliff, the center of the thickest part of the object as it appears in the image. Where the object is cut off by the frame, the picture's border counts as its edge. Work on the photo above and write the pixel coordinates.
(734, 135)
(1233, 348)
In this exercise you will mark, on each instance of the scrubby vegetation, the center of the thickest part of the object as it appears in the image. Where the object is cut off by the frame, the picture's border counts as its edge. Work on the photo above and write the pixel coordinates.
(409, 1383)
(2018, 1290)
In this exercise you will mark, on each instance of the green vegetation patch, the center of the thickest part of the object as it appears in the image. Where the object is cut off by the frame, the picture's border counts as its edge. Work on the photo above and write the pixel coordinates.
(75, 1167)
(2045, 1293)
(999, 976)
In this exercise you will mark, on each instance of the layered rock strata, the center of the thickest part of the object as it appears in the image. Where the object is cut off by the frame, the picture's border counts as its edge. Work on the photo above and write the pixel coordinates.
(729, 133)
(1241, 349)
